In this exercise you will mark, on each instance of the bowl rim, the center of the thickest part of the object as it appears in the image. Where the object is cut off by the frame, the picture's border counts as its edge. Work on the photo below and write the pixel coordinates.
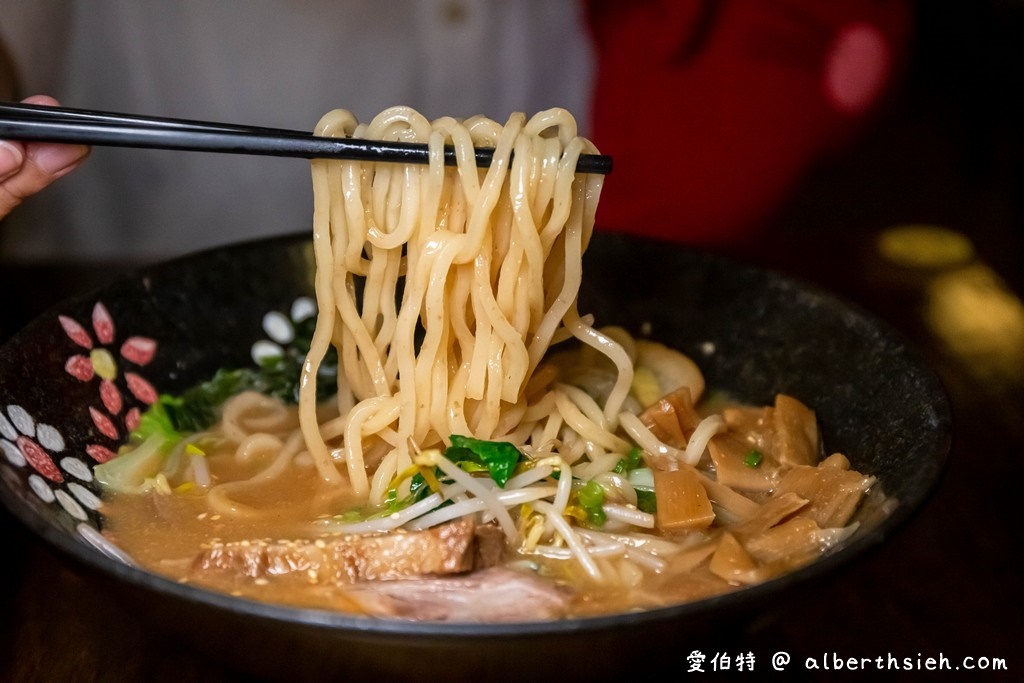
(842, 557)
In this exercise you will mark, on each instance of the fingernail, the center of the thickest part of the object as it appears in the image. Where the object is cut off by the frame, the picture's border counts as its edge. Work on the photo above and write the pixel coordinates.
(11, 159)
(58, 159)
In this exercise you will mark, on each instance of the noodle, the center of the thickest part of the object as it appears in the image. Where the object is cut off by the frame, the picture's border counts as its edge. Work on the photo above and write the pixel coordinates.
(487, 276)
(443, 292)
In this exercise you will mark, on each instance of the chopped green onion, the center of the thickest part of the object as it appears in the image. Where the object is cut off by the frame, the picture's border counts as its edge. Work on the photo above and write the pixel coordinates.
(591, 495)
(634, 459)
(753, 458)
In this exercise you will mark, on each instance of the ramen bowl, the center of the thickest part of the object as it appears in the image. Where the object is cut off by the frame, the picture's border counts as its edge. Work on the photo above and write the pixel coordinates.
(74, 381)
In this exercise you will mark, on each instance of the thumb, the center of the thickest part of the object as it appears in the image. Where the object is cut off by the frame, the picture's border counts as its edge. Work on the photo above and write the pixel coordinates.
(41, 165)
(11, 159)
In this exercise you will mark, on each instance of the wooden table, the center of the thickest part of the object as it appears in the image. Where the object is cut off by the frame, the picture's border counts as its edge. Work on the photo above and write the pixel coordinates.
(946, 586)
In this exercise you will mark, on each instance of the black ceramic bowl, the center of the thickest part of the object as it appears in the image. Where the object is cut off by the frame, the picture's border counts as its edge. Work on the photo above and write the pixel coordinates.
(753, 332)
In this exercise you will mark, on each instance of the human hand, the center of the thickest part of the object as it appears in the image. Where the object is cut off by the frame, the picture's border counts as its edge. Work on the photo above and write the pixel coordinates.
(28, 167)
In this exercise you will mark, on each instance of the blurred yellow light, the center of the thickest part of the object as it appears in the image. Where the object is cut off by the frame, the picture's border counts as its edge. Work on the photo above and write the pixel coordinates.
(980, 320)
(924, 246)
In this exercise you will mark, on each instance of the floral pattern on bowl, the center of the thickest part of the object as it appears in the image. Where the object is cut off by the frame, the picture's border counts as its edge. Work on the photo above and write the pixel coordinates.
(58, 472)
(56, 476)
(100, 364)
(51, 469)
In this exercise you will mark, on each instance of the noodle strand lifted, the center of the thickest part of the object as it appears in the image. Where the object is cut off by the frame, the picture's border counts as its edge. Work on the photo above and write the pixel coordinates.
(444, 287)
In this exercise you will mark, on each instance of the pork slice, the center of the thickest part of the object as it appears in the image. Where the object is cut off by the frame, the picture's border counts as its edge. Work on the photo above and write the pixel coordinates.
(490, 545)
(455, 547)
(489, 595)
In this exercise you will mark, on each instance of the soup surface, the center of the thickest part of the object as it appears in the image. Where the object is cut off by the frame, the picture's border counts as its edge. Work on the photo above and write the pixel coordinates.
(275, 538)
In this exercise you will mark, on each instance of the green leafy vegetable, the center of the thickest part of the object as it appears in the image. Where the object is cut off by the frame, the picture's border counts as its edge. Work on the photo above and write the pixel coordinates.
(198, 408)
(645, 499)
(499, 458)
(157, 421)
(136, 471)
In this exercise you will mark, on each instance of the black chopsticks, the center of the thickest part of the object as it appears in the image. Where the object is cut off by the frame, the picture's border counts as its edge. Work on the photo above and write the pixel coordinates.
(19, 121)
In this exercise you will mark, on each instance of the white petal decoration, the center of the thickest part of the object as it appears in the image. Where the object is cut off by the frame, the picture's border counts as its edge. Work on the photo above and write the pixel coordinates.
(70, 505)
(22, 420)
(12, 452)
(84, 496)
(302, 308)
(41, 488)
(7, 430)
(266, 349)
(49, 438)
(278, 327)
(76, 468)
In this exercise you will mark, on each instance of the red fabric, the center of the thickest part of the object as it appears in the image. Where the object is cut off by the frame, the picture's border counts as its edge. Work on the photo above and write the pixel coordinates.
(735, 101)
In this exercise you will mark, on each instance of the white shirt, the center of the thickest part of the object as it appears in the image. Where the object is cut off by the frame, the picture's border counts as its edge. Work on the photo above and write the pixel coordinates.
(268, 63)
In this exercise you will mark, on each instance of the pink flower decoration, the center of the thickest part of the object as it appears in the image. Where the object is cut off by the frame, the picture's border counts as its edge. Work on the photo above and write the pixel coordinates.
(111, 397)
(103, 324)
(103, 423)
(140, 388)
(75, 331)
(100, 360)
(100, 454)
(80, 367)
(39, 459)
(139, 350)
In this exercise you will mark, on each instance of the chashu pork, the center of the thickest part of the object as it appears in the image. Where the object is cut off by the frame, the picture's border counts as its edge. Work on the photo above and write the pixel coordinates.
(452, 548)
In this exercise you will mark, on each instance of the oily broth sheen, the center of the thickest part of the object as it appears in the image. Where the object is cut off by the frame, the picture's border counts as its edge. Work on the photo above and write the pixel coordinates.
(164, 533)
(169, 530)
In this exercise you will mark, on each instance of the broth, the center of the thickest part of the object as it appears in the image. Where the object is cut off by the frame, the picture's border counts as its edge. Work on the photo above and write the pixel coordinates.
(167, 528)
